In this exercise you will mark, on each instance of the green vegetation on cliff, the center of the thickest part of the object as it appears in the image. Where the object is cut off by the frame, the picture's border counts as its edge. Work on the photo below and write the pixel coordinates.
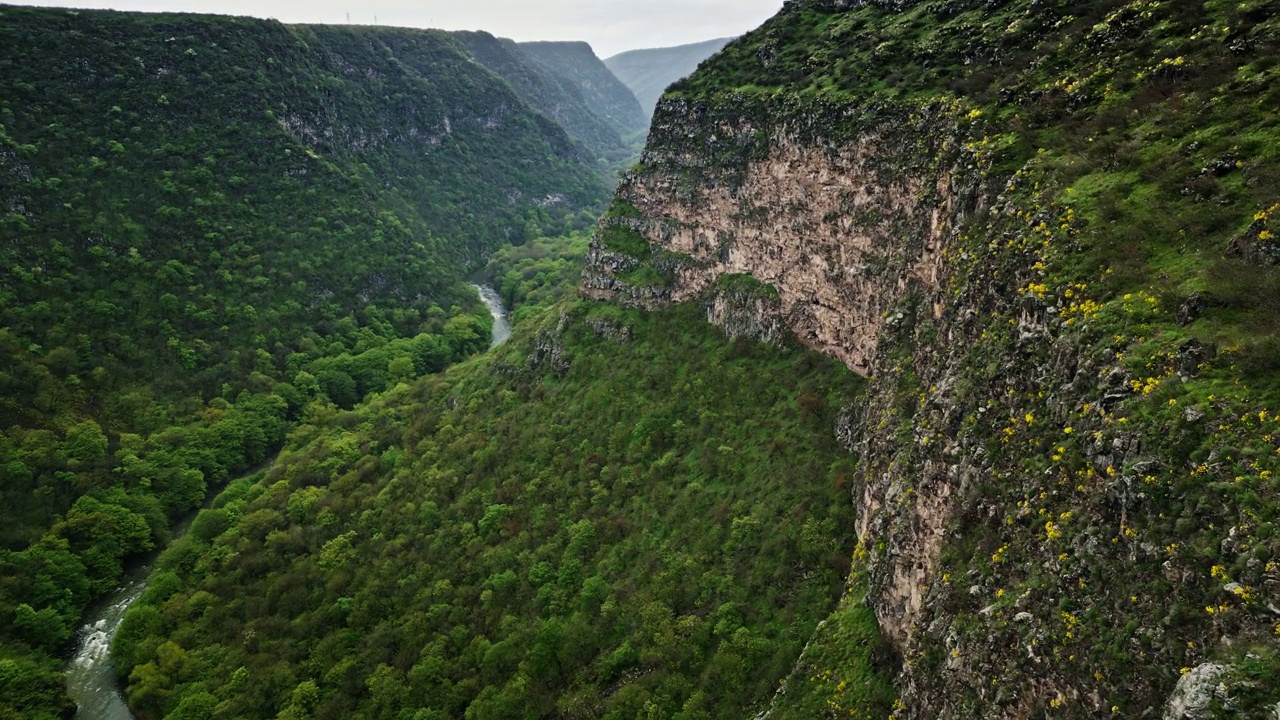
(577, 64)
(1098, 375)
(567, 83)
(207, 224)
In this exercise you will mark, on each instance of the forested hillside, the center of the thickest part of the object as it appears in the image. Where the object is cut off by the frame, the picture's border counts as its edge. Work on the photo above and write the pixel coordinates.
(538, 273)
(614, 515)
(576, 63)
(207, 224)
(925, 366)
(597, 111)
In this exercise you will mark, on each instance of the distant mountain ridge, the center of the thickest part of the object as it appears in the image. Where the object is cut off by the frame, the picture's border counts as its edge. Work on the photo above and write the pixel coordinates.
(649, 72)
(577, 63)
(570, 85)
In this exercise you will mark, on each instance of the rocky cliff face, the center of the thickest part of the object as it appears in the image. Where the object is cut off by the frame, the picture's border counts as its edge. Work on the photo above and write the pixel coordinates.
(842, 233)
(1057, 440)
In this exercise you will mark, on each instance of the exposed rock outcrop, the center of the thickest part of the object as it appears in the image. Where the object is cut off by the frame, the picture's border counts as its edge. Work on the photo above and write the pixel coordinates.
(847, 232)
(843, 231)
(1195, 692)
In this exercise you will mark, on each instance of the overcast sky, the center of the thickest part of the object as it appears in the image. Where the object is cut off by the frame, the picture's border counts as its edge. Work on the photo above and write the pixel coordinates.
(611, 26)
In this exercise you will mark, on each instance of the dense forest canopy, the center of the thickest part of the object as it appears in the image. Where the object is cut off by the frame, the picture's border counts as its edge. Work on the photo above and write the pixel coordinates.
(206, 225)
(611, 515)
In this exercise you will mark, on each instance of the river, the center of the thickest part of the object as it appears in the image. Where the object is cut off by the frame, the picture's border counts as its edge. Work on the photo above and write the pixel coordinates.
(91, 678)
(501, 324)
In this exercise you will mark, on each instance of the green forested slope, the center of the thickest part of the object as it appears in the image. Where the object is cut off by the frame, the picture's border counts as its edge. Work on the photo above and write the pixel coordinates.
(625, 515)
(615, 515)
(205, 224)
(576, 63)
(540, 272)
(586, 113)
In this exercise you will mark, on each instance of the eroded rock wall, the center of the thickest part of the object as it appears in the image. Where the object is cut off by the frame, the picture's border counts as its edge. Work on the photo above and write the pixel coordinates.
(842, 230)
(880, 240)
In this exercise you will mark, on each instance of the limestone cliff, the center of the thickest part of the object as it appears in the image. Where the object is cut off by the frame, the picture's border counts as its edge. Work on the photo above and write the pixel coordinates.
(1067, 503)
(841, 232)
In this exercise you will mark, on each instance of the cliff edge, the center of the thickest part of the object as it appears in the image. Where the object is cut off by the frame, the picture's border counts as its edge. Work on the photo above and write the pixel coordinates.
(1045, 232)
